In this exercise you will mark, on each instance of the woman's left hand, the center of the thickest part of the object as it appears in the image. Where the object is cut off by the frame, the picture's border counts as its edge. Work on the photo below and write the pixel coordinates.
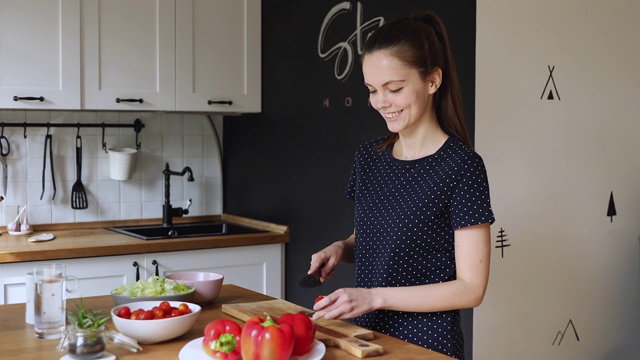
(345, 303)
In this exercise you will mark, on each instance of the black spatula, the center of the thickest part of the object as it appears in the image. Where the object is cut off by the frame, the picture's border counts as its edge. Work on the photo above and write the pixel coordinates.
(78, 193)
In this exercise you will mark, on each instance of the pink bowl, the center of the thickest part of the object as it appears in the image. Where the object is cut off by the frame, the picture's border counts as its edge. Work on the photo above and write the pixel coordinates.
(207, 284)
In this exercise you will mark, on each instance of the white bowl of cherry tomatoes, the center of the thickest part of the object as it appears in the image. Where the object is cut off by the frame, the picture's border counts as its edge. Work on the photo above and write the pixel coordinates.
(151, 322)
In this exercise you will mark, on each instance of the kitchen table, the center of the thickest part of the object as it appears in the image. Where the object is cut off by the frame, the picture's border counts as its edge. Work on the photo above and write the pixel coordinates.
(17, 341)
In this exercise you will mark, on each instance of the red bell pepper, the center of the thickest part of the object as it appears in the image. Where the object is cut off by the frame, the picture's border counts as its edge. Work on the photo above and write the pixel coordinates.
(264, 339)
(222, 340)
(304, 332)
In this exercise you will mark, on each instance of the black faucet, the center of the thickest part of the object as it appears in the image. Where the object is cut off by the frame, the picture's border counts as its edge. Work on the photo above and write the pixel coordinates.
(168, 211)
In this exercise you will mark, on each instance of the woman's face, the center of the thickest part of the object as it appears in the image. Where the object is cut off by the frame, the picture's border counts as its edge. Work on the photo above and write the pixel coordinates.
(397, 91)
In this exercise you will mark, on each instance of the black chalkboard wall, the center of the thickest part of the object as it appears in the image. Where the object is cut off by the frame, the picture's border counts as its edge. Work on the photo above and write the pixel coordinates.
(290, 164)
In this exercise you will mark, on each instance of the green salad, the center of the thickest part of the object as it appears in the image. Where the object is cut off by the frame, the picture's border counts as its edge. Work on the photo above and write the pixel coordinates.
(154, 286)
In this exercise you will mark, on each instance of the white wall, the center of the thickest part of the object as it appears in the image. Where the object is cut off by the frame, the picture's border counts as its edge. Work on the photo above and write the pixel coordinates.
(176, 138)
(552, 165)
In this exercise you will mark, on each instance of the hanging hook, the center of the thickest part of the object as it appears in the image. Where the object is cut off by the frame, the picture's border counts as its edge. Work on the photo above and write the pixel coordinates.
(25, 129)
(137, 127)
(48, 127)
(78, 133)
(104, 143)
(2, 134)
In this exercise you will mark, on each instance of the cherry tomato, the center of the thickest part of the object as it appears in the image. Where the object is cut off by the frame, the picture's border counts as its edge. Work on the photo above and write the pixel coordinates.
(124, 312)
(318, 299)
(158, 313)
(184, 309)
(137, 314)
(147, 315)
(165, 306)
(175, 312)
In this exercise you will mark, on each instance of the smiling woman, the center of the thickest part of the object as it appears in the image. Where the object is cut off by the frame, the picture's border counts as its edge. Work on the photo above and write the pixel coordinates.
(421, 243)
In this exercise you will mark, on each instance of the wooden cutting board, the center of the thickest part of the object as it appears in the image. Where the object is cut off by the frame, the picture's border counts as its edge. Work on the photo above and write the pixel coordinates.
(333, 333)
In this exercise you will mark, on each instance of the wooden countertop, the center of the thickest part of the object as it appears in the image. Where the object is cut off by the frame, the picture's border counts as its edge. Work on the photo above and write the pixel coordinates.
(17, 340)
(79, 240)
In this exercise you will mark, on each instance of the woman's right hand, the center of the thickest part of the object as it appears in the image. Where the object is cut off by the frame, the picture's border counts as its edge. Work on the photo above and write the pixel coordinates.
(326, 260)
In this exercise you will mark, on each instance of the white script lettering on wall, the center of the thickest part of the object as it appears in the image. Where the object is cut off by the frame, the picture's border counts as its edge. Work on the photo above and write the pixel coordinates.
(343, 51)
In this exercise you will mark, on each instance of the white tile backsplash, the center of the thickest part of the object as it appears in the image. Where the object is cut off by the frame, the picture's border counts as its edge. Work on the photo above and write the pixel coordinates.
(174, 138)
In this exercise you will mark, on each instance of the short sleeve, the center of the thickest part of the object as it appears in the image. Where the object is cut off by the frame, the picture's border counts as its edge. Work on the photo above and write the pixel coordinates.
(471, 204)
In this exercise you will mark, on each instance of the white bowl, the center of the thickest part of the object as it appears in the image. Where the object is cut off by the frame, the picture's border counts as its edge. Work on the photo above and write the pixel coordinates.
(207, 284)
(155, 331)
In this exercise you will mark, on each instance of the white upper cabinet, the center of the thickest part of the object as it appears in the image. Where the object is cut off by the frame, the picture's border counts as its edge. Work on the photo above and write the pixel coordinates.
(218, 56)
(142, 55)
(40, 54)
(128, 52)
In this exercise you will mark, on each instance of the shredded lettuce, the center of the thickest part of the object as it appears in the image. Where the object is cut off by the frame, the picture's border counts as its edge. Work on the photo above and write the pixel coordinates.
(154, 286)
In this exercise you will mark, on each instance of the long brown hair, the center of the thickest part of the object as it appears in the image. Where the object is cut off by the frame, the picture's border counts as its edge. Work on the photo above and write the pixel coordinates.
(420, 41)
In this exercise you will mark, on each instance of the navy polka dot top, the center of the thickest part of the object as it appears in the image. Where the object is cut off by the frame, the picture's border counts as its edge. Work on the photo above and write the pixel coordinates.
(406, 212)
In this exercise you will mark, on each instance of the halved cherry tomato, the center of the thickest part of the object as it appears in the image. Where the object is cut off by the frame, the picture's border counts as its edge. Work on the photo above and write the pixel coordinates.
(318, 299)
(124, 312)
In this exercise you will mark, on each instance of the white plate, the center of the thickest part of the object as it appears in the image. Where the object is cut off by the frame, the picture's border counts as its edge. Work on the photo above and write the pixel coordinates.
(41, 237)
(317, 352)
(193, 351)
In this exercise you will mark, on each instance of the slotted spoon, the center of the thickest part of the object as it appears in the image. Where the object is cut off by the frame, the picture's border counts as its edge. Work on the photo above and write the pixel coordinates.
(78, 193)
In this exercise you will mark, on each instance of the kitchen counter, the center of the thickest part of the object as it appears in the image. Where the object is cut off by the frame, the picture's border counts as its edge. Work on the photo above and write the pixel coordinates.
(81, 240)
(18, 342)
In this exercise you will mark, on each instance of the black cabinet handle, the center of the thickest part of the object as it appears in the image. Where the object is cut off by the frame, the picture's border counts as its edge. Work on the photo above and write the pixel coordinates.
(118, 100)
(135, 265)
(222, 102)
(155, 263)
(28, 98)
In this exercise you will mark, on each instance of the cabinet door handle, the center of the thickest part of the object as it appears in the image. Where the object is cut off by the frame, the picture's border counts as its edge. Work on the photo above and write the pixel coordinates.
(155, 263)
(222, 102)
(118, 100)
(135, 265)
(28, 98)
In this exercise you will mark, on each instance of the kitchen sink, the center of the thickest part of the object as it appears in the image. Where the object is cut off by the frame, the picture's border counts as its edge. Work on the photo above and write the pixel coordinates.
(159, 232)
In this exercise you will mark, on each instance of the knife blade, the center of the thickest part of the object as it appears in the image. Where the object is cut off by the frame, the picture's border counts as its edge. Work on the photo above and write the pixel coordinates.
(310, 281)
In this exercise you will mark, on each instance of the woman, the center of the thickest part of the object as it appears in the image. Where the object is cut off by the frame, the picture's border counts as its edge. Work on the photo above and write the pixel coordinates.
(421, 244)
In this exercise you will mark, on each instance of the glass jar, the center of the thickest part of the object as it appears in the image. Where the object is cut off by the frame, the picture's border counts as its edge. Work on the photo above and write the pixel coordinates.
(84, 344)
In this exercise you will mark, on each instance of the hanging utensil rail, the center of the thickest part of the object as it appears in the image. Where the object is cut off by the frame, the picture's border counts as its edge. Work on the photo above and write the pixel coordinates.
(137, 127)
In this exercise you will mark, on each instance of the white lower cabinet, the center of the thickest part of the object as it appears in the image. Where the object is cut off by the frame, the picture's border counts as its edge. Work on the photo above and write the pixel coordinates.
(258, 268)
(96, 276)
